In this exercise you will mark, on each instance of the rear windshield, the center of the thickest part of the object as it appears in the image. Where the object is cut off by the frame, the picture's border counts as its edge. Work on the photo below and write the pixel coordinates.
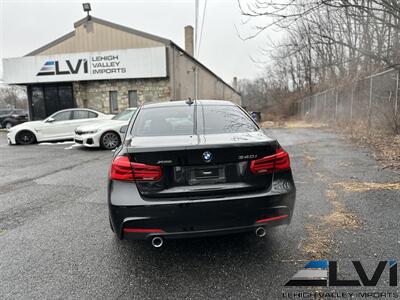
(178, 120)
(125, 115)
(163, 121)
(223, 119)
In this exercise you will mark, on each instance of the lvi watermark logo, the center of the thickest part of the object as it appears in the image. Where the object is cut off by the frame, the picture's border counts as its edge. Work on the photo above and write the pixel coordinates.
(324, 273)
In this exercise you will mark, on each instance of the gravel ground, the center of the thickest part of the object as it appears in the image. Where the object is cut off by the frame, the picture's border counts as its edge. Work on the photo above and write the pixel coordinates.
(56, 242)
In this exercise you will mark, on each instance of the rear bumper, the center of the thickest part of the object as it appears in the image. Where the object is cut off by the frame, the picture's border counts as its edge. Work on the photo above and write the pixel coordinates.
(204, 217)
(199, 233)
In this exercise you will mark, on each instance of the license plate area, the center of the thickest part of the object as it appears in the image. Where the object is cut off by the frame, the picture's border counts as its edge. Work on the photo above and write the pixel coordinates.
(206, 175)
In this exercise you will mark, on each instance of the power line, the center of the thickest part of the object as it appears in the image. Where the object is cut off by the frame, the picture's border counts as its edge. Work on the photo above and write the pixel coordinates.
(202, 26)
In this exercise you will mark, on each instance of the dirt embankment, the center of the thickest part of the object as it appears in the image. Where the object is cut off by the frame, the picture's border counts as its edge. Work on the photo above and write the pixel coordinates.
(385, 146)
(292, 124)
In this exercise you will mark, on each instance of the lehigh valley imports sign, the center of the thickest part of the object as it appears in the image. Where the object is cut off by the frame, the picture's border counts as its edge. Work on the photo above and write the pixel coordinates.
(116, 64)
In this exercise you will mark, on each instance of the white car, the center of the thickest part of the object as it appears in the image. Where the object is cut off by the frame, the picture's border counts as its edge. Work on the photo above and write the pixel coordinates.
(105, 134)
(60, 126)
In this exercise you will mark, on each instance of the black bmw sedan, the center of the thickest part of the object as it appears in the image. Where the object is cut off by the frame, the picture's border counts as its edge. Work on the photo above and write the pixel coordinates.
(197, 168)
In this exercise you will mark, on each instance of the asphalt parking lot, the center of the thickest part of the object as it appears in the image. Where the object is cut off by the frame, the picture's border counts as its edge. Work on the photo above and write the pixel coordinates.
(55, 240)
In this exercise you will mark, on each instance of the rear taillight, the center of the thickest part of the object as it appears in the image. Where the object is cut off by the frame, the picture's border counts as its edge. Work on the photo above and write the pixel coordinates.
(268, 164)
(142, 172)
(123, 169)
(263, 165)
(282, 160)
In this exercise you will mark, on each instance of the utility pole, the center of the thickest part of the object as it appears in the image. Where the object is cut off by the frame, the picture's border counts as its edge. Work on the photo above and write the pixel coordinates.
(196, 27)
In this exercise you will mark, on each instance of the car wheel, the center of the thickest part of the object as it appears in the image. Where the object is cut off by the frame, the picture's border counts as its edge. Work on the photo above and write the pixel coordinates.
(8, 125)
(25, 137)
(112, 228)
(110, 140)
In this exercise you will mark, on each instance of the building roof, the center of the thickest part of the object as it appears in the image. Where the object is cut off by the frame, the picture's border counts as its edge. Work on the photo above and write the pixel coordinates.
(122, 28)
(159, 39)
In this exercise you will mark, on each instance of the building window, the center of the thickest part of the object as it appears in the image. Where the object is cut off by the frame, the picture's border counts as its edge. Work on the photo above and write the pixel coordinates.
(38, 111)
(133, 98)
(113, 101)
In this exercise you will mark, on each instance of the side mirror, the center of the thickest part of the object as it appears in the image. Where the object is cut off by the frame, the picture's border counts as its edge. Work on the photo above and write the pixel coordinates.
(50, 120)
(124, 129)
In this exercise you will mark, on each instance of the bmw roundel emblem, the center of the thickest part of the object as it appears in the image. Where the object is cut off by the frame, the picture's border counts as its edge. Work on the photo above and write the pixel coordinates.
(207, 156)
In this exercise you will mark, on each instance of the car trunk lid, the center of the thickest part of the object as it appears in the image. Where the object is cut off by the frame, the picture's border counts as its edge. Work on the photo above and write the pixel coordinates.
(212, 165)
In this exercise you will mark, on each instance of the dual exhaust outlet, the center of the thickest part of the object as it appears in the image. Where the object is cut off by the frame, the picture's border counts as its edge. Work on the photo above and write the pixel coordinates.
(260, 232)
(158, 241)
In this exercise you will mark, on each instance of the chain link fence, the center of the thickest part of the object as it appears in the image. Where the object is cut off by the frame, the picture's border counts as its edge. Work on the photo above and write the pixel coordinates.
(372, 102)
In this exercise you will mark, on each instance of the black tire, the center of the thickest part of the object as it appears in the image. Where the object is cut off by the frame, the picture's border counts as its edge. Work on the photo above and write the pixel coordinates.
(110, 140)
(112, 228)
(7, 125)
(25, 137)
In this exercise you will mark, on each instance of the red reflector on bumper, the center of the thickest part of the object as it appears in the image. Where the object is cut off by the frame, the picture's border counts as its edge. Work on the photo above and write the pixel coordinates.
(143, 230)
(272, 219)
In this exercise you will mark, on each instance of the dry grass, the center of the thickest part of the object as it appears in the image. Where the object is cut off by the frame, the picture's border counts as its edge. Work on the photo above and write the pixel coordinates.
(309, 160)
(320, 242)
(291, 124)
(331, 195)
(345, 164)
(341, 218)
(358, 186)
(321, 176)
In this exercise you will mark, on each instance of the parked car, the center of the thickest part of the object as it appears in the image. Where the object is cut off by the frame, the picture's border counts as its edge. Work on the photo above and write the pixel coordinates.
(189, 169)
(58, 127)
(11, 117)
(106, 133)
(256, 115)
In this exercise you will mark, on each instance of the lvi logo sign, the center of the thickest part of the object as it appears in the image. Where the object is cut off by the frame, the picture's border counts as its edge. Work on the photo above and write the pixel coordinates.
(52, 67)
(325, 273)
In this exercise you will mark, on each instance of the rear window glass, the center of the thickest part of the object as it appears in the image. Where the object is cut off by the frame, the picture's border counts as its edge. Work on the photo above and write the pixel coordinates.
(163, 121)
(92, 115)
(178, 120)
(223, 119)
(125, 115)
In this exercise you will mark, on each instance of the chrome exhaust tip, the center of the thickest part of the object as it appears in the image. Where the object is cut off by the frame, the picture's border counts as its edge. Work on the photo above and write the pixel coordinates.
(157, 242)
(260, 232)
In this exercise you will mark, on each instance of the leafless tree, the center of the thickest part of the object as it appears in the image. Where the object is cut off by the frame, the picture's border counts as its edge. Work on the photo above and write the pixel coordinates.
(325, 41)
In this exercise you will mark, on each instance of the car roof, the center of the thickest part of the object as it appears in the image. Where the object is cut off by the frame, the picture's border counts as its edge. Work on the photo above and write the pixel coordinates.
(185, 102)
(73, 109)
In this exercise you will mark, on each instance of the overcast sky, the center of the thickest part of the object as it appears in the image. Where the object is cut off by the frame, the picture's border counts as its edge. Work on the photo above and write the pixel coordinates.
(29, 24)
